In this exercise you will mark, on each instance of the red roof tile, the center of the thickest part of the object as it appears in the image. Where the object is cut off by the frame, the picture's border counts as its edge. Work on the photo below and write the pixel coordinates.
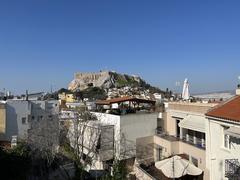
(230, 110)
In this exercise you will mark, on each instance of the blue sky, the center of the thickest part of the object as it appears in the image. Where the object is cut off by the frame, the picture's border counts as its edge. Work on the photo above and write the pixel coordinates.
(164, 41)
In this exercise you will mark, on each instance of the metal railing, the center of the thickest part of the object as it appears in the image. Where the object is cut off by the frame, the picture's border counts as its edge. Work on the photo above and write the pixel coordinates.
(198, 142)
(232, 168)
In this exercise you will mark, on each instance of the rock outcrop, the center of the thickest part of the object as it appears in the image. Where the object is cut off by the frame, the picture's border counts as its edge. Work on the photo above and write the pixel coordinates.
(106, 80)
(84, 80)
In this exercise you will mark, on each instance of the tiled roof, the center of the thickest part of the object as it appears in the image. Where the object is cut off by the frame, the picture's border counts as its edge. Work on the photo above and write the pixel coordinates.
(230, 110)
(124, 99)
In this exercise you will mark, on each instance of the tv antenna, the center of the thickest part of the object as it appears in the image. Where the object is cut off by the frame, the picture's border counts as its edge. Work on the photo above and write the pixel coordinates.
(238, 81)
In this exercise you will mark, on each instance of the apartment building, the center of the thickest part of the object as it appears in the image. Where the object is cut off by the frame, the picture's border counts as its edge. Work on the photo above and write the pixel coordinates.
(181, 130)
(20, 114)
(223, 144)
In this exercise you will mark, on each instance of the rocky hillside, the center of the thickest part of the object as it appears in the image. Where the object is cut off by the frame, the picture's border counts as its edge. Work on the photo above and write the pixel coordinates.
(109, 80)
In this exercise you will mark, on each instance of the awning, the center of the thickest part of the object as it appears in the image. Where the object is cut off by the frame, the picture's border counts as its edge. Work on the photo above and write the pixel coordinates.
(176, 167)
(233, 131)
(194, 122)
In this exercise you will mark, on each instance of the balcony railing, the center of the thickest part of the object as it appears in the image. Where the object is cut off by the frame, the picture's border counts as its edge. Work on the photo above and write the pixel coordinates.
(232, 168)
(198, 142)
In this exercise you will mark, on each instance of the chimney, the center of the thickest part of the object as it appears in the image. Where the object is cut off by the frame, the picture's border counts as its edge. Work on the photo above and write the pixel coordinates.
(238, 90)
(26, 95)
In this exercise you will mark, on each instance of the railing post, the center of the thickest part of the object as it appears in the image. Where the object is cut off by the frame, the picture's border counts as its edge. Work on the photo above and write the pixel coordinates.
(181, 133)
(187, 137)
(194, 138)
(203, 142)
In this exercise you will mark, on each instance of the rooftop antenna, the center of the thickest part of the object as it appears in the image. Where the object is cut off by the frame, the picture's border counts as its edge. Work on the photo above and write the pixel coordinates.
(238, 82)
(26, 95)
(4, 91)
(51, 88)
(178, 85)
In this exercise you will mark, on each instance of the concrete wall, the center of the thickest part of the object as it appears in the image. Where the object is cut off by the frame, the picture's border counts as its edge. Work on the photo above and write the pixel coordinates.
(134, 126)
(195, 152)
(171, 126)
(145, 149)
(169, 147)
(128, 128)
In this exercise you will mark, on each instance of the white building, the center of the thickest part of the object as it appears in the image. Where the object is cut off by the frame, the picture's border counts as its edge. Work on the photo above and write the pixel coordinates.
(119, 126)
(223, 140)
(97, 141)
(20, 113)
(128, 128)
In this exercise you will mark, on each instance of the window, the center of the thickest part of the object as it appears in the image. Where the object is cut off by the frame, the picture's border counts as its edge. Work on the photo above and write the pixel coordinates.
(24, 120)
(33, 117)
(229, 141)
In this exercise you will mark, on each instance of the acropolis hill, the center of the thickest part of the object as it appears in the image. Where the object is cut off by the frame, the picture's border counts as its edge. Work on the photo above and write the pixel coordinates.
(106, 79)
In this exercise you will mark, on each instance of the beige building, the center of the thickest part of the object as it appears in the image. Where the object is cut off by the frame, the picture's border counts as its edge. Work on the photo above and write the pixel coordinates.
(2, 120)
(67, 97)
(181, 130)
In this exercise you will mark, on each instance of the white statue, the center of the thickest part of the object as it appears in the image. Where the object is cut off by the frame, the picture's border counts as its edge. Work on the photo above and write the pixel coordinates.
(185, 92)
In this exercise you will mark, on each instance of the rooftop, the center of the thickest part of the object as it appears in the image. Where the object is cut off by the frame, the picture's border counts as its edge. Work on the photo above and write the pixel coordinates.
(194, 103)
(229, 110)
(133, 105)
(124, 99)
(196, 107)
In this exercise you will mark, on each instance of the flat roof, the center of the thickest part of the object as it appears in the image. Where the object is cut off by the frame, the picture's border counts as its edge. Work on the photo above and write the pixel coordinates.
(124, 99)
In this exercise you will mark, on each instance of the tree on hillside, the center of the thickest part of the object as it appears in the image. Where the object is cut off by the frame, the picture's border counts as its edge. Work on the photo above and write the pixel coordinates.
(94, 93)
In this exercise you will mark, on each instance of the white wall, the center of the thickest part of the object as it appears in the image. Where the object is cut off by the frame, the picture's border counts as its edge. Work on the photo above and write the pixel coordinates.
(115, 121)
(127, 128)
(216, 152)
(16, 110)
(134, 126)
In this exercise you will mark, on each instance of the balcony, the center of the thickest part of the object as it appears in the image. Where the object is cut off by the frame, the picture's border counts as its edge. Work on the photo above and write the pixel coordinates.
(197, 142)
(159, 132)
(186, 138)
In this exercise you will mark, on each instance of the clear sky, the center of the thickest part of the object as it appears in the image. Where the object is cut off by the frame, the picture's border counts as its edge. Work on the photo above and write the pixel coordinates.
(164, 41)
